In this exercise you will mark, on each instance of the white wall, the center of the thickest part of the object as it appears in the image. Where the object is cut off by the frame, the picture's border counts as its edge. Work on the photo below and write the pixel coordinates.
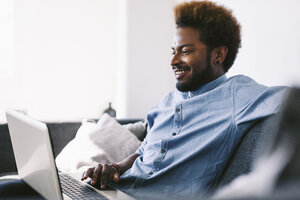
(85, 53)
(148, 74)
(64, 59)
(270, 50)
(71, 57)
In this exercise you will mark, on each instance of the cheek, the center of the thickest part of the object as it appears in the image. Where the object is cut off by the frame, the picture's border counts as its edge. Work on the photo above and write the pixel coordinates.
(197, 64)
(191, 60)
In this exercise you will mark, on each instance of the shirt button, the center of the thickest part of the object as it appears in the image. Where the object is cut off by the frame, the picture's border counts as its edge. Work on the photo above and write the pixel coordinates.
(150, 173)
(173, 134)
(177, 109)
(163, 151)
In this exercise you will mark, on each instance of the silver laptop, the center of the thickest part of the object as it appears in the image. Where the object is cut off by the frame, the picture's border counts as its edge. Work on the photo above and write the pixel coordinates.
(36, 166)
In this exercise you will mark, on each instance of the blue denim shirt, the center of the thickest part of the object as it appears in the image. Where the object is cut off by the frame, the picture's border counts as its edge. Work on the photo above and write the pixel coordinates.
(191, 136)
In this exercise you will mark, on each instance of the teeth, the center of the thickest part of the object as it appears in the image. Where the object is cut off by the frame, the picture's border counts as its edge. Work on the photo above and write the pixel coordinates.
(179, 72)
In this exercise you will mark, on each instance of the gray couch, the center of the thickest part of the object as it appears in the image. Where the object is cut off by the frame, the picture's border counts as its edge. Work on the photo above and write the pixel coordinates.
(241, 161)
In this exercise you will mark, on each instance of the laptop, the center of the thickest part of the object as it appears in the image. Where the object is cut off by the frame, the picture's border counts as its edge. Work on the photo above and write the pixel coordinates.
(36, 166)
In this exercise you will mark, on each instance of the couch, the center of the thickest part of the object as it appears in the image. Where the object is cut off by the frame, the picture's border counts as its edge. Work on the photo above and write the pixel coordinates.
(61, 133)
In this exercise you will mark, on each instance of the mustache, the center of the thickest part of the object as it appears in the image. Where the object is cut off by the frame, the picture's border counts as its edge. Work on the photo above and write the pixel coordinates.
(180, 67)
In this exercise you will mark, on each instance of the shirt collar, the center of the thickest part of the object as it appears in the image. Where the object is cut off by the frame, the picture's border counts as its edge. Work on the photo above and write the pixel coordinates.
(207, 87)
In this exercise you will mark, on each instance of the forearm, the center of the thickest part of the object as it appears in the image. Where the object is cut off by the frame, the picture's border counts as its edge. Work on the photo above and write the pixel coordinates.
(127, 163)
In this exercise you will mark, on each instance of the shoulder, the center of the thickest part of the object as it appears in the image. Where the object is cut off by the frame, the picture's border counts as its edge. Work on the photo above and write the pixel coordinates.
(246, 90)
(244, 81)
(244, 84)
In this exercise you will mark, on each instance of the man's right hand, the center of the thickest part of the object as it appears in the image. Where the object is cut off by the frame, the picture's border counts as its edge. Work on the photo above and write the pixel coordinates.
(108, 173)
(103, 173)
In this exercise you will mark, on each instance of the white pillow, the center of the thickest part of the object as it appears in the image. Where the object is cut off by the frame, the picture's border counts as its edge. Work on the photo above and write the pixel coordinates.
(104, 142)
(137, 128)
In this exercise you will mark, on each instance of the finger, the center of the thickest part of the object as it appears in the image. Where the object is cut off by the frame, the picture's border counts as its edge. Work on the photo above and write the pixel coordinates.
(96, 174)
(87, 173)
(105, 175)
(110, 175)
(116, 177)
(90, 172)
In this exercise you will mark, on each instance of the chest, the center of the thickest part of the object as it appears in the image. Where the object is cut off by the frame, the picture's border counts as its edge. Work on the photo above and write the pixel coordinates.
(199, 115)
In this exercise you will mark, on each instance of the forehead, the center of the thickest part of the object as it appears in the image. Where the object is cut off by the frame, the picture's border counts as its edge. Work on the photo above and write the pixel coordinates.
(186, 35)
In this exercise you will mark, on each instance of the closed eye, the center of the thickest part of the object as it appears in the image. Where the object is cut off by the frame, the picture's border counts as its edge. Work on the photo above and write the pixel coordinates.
(186, 52)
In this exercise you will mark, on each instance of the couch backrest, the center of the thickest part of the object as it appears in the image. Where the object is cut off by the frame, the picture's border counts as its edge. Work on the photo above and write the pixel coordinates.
(7, 159)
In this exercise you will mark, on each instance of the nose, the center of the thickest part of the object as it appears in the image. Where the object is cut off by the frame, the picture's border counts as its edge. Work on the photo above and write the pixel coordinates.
(175, 60)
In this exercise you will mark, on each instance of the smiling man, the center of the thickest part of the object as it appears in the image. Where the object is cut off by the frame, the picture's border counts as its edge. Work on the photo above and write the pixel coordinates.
(193, 131)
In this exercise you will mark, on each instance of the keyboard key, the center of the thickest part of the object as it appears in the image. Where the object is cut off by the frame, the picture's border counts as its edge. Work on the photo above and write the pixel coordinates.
(76, 190)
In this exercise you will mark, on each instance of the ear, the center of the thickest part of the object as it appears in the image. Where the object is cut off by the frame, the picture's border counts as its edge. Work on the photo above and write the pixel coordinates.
(218, 55)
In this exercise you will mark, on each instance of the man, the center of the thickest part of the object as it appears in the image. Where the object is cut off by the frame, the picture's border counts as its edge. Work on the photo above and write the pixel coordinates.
(193, 130)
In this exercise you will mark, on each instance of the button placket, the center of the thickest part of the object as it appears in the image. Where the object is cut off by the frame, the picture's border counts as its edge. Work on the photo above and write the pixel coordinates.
(161, 155)
(178, 117)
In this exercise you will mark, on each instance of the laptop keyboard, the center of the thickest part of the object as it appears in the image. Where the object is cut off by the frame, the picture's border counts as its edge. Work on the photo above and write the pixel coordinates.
(76, 190)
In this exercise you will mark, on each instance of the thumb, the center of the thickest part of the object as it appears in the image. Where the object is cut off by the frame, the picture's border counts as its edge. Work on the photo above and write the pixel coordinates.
(116, 177)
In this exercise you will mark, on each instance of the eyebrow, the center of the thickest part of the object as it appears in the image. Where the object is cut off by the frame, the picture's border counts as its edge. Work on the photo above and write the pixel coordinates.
(182, 46)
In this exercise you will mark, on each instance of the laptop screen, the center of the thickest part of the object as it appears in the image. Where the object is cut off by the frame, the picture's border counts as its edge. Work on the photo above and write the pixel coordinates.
(33, 154)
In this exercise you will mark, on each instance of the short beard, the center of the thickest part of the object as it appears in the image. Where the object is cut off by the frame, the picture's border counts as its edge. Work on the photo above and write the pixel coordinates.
(197, 80)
